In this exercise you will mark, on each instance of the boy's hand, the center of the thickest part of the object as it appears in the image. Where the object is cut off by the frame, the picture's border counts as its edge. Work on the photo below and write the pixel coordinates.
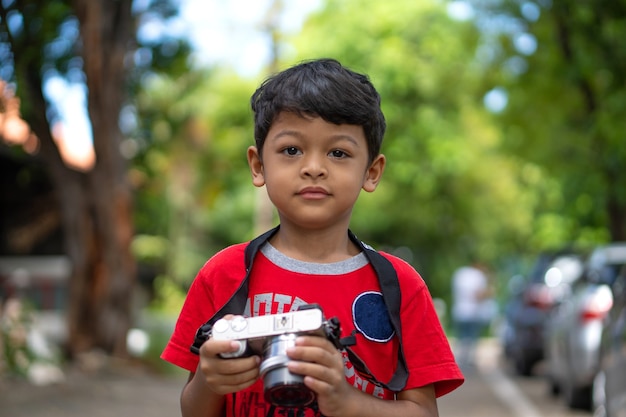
(322, 365)
(225, 376)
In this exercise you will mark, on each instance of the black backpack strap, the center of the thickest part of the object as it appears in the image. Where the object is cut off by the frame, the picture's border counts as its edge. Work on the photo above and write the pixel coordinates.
(390, 287)
(237, 302)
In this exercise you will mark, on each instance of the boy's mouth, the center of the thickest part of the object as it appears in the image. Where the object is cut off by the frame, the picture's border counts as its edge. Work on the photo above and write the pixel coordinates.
(313, 193)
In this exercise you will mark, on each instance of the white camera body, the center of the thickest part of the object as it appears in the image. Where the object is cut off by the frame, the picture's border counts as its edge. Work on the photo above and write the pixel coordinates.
(270, 336)
(252, 332)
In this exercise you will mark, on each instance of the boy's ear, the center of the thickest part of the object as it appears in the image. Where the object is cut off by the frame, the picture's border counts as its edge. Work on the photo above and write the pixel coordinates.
(256, 166)
(374, 173)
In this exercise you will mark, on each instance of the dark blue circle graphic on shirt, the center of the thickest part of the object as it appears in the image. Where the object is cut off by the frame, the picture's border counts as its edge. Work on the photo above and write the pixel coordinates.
(371, 318)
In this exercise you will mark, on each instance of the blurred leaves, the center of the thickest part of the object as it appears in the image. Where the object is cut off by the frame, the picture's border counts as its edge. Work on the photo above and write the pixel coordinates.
(567, 108)
(462, 182)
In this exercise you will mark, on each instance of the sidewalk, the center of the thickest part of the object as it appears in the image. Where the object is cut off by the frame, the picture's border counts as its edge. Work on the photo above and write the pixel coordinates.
(113, 392)
(130, 391)
(475, 397)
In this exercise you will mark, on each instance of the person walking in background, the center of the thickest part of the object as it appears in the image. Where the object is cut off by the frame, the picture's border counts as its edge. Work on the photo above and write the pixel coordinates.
(472, 310)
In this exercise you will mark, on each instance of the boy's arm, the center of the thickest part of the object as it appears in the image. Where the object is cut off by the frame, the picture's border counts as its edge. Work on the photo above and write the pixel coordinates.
(418, 402)
(203, 395)
(196, 400)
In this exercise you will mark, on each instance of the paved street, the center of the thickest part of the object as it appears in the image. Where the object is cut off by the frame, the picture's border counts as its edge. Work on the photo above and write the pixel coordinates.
(123, 393)
(475, 397)
(117, 392)
(125, 390)
(472, 399)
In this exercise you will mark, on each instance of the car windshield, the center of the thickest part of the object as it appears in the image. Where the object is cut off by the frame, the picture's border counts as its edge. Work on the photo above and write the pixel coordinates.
(607, 273)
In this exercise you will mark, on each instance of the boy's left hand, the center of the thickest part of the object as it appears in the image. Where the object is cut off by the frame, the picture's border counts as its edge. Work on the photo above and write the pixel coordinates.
(321, 363)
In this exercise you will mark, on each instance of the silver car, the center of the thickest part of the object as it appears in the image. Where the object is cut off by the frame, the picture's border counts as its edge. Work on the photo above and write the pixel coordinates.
(530, 304)
(610, 384)
(574, 330)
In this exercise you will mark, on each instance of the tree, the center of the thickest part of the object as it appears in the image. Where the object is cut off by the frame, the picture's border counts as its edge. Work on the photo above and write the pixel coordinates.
(195, 195)
(567, 105)
(91, 42)
(448, 193)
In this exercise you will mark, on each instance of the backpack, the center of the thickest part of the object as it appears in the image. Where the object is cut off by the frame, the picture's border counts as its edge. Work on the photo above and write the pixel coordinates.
(388, 281)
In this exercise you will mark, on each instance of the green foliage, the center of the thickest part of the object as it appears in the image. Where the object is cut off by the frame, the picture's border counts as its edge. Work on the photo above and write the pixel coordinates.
(169, 296)
(460, 183)
(18, 356)
(448, 194)
(567, 106)
(193, 187)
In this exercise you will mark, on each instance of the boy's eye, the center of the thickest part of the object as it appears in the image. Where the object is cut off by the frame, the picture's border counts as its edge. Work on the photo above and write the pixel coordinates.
(291, 150)
(338, 154)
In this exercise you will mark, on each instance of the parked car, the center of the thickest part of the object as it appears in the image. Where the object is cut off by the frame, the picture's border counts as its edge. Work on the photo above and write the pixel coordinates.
(574, 329)
(609, 396)
(530, 304)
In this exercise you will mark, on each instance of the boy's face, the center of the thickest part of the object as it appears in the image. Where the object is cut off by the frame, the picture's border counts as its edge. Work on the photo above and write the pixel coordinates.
(314, 170)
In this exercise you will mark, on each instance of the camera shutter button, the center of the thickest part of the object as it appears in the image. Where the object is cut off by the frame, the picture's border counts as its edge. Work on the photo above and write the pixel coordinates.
(238, 323)
(220, 326)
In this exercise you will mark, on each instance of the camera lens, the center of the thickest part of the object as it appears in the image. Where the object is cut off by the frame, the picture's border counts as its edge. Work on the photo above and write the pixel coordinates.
(283, 388)
(289, 395)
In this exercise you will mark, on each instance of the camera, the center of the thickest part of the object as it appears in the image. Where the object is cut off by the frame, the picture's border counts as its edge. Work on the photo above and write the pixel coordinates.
(269, 336)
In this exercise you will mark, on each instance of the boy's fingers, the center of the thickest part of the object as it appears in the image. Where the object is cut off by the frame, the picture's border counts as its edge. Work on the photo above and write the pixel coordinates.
(214, 347)
(314, 349)
(233, 383)
(240, 365)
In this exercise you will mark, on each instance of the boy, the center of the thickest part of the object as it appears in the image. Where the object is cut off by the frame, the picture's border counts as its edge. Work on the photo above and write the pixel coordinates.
(318, 132)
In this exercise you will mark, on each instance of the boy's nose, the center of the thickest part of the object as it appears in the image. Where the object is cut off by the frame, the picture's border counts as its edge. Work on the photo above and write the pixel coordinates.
(314, 166)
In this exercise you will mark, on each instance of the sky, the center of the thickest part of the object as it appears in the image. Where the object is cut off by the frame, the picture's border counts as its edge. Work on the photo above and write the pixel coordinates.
(231, 31)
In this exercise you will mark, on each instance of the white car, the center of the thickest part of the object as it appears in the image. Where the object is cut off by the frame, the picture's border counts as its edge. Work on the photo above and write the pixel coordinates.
(574, 330)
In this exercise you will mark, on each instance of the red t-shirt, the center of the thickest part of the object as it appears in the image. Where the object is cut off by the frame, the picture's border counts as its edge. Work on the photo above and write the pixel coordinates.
(348, 291)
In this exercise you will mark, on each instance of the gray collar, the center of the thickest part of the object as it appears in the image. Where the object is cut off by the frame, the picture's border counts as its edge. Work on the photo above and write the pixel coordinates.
(294, 265)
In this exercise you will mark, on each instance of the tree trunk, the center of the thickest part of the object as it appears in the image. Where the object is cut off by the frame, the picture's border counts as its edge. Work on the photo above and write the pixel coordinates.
(95, 206)
(616, 210)
(101, 293)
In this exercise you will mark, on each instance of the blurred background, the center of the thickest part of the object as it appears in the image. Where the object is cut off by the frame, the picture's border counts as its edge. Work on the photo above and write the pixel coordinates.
(124, 125)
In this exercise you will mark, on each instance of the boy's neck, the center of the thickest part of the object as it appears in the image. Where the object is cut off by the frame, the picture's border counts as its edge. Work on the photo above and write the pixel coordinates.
(321, 246)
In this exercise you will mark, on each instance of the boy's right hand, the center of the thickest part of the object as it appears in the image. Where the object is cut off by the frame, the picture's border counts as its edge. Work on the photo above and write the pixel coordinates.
(225, 376)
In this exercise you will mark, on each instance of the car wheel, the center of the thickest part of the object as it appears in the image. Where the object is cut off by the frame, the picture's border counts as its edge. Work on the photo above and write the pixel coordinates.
(523, 365)
(599, 396)
(577, 397)
(555, 388)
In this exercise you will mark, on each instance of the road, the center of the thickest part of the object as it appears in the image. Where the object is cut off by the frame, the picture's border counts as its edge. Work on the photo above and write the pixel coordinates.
(491, 390)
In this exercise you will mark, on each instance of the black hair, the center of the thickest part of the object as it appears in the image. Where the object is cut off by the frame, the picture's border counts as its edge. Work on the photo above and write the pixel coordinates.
(323, 88)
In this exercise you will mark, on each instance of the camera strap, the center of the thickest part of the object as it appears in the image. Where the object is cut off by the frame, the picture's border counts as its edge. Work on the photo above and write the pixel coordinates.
(390, 287)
